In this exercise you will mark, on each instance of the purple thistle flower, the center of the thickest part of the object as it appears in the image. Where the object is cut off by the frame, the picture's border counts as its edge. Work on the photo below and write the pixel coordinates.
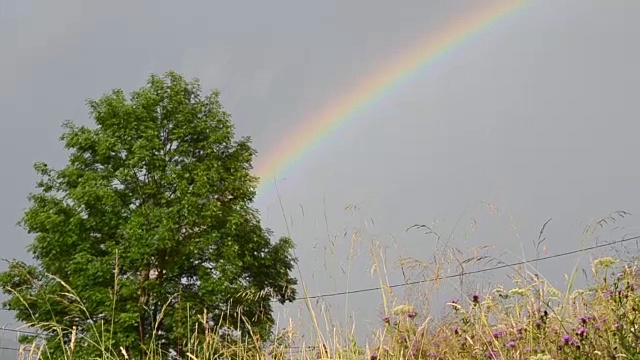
(581, 331)
(415, 347)
(511, 344)
(538, 323)
(412, 314)
(456, 330)
(566, 338)
(374, 356)
(475, 298)
(491, 354)
(386, 319)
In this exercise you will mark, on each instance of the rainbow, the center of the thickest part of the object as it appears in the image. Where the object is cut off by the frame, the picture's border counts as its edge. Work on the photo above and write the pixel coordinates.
(433, 47)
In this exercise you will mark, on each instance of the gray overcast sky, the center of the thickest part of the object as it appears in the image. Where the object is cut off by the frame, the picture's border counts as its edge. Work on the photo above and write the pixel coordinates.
(537, 116)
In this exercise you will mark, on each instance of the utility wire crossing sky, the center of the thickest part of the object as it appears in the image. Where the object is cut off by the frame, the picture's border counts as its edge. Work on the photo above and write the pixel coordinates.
(471, 272)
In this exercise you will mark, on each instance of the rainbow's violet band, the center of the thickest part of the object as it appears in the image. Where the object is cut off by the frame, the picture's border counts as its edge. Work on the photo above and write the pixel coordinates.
(314, 130)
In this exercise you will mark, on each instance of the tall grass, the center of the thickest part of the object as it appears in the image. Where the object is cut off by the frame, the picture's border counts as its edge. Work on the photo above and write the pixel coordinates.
(528, 319)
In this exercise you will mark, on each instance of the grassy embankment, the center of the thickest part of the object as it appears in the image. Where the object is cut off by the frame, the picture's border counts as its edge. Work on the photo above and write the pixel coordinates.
(529, 319)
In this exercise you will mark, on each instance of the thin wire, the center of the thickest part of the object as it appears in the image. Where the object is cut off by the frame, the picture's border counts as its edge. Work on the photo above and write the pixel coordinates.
(472, 272)
(544, 258)
(26, 332)
(8, 348)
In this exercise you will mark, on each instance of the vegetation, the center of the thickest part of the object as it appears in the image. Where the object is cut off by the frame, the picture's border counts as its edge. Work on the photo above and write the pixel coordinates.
(529, 320)
(147, 248)
(150, 223)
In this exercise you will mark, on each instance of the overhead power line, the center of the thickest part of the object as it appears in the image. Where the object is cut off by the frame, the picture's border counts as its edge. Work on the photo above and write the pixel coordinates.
(18, 331)
(438, 278)
(472, 272)
(8, 348)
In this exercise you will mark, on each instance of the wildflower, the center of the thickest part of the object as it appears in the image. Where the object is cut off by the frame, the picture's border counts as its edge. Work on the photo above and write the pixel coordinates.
(475, 298)
(519, 330)
(538, 324)
(616, 326)
(497, 333)
(491, 354)
(511, 344)
(456, 330)
(412, 314)
(581, 331)
(566, 338)
(415, 347)
(604, 262)
(598, 326)
(374, 356)
(403, 337)
(386, 319)
(545, 314)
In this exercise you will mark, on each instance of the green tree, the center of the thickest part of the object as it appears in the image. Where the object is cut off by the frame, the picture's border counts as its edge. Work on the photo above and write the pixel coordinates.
(150, 224)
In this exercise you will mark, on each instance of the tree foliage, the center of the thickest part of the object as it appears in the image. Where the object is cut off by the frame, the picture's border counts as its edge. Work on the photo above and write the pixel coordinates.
(148, 227)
